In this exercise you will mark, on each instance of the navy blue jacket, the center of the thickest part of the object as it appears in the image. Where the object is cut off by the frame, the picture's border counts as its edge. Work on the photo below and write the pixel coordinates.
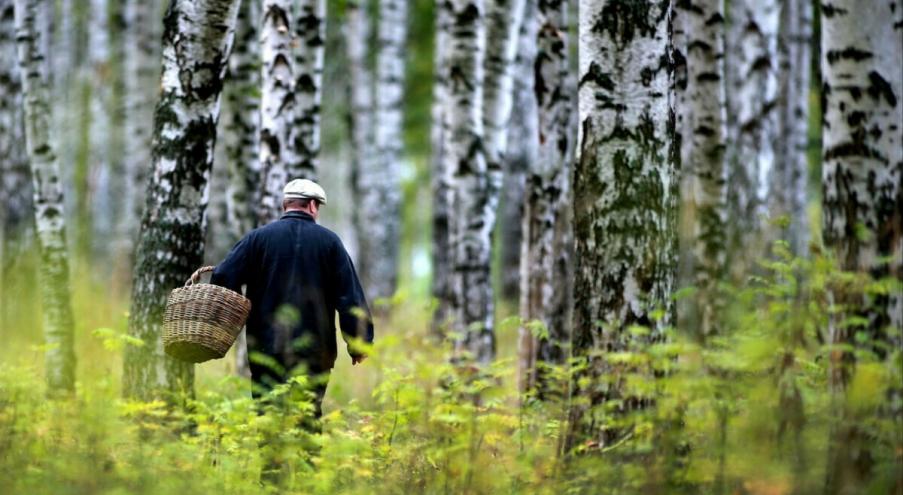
(297, 275)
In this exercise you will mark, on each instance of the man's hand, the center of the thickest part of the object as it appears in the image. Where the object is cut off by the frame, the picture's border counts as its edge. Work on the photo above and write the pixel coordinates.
(358, 359)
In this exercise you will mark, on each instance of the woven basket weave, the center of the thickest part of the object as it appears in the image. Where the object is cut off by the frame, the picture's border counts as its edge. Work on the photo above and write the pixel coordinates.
(202, 321)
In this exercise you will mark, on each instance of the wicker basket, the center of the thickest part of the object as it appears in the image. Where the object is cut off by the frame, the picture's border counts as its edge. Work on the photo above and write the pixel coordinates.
(202, 321)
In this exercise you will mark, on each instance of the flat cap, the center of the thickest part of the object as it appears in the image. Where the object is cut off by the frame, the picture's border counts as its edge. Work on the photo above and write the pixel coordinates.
(304, 189)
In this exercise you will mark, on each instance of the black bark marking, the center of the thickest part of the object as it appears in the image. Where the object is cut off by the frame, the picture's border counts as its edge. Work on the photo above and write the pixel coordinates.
(880, 87)
(849, 53)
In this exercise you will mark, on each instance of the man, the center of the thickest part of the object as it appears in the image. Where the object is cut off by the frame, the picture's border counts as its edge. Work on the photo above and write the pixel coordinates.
(298, 275)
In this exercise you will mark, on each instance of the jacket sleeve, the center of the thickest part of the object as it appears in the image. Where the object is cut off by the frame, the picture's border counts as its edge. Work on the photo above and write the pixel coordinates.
(231, 273)
(354, 315)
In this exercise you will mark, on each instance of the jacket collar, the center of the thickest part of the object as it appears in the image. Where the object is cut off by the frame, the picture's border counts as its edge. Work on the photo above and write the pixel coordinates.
(300, 215)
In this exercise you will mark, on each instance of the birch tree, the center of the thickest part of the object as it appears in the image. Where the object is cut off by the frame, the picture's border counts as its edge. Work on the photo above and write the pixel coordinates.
(625, 187)
(357, 32)
(378, 180)
(862, 200)
(15, 180)
(278, 103)
(789, 179)
(752, 64)
(304, 134)
(241, 127)
(523, 140)
(440, 179)
(48, 198)
(140, 77)
(470, 289)
(197, 39)
(702, 150)
(545, 274)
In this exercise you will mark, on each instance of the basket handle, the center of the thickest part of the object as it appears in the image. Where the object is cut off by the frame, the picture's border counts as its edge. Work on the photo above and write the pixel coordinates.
(197, 275)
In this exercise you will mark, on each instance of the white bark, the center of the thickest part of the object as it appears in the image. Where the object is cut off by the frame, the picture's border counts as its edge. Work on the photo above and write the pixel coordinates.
(789, 180)
(752, 63)
(141, 69)
(523, 141)
(380, 185)
(242, 125)
(278, 104)
(702, 150)
(48, 198)
(503, 21)
(357, 31)
(197, 39)
(309, 50)
(545, 271)
(242, 150)
(15, 179)
(625, 188)
(862, 152)
(862, 205)
(470, 225)
(440, 179)
(101, 80)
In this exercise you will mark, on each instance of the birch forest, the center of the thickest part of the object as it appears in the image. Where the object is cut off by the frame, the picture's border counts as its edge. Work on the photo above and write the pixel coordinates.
(609, 246)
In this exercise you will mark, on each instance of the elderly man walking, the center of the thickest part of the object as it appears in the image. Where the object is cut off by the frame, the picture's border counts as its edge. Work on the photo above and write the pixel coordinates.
(297, 275)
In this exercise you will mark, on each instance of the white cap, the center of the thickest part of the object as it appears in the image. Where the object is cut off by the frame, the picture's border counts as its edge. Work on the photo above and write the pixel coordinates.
(304, 189)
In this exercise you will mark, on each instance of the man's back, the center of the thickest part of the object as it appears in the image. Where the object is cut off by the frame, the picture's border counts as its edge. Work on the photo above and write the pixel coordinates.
(297, 275)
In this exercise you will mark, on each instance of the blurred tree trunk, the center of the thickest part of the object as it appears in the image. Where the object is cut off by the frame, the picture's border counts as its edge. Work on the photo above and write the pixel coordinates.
(242, 126)
(197, 39)
(379, 183)
(625, 200)
(141, 59)
(521, 155)
(789, 180)
(310, 45)
(471, 211)
(504, 21)
(102, 82)
(241, 140)
(702, 152)
(862, 201)
(751, 69)
(16, 212)
(278, 103)
(358, 28)
(545, 265)
(440, 179)
(48, 197)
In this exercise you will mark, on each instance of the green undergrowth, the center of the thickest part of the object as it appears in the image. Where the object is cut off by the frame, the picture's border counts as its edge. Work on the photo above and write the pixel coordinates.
(748, 410)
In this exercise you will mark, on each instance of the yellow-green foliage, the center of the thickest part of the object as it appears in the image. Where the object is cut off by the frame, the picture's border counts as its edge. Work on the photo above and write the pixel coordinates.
(747, 411)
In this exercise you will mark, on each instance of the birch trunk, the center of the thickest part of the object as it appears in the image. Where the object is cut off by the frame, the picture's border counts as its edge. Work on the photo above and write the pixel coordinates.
(360, 114)
(702, 152)
(520, 156)
(242, 125)
(379, 183)
(141, 49)
(101, 78)
(48, 198)
(304, 134)
(440, 179)
(278, 104)
(503, 22)
(862, 201)
(197, 39)
(752, 65)
(625, 187)
(470, 225)
(242, 147)
(15, 180)
(545, 274)
(789, 180)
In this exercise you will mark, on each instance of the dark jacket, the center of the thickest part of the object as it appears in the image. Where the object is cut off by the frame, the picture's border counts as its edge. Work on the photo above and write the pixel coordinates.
(297, 275)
